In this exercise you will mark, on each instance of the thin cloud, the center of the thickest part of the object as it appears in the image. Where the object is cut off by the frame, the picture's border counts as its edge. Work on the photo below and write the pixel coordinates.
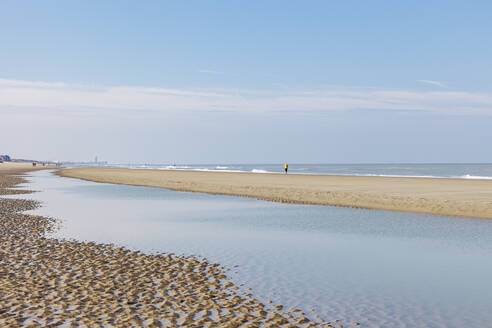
(115, 99)
(208, 71)
(35, 84)
(434, 83)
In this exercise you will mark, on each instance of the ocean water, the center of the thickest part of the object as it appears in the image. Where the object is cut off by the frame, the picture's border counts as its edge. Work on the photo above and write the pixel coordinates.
(462, 171)
(379, 268)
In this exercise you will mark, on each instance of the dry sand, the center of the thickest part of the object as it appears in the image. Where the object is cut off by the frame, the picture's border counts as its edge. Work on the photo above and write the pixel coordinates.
(22, 166)
(46, 282)
(456, 197)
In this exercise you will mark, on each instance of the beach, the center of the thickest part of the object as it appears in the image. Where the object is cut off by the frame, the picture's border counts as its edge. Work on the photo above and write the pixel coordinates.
(55, 282)
(327, 262)
(443, 196)
(13, 167)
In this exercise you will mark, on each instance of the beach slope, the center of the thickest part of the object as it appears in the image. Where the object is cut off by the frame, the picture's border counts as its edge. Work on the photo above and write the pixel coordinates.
(455, 197)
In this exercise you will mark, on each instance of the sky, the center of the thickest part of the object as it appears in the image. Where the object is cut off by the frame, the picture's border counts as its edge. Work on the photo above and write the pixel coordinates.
(246, 81)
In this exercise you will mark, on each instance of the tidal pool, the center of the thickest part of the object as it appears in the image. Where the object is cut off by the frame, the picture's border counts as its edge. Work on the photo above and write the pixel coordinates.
(379, 268)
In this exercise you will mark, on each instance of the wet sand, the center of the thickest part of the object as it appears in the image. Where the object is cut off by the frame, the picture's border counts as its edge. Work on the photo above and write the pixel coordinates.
(454, 197)
(50, 282)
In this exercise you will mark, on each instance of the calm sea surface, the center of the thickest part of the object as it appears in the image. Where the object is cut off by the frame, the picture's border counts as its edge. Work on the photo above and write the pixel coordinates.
(382, 269)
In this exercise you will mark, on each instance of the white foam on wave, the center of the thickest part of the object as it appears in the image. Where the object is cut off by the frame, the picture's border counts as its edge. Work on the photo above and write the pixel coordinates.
(466, 176)
(191, 168)
(214, 170)
(304, 171)
(172, 167)
(475, 177)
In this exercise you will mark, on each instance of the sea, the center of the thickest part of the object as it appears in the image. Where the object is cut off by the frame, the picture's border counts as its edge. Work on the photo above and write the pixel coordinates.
(441, 170)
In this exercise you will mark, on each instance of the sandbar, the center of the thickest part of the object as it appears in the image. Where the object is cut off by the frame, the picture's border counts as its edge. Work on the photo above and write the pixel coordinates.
(443, 196)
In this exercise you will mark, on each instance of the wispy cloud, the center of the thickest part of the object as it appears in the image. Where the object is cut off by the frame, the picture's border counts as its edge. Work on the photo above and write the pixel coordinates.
(65, 96)
(208, 71)
(32, 84)
(434, 83)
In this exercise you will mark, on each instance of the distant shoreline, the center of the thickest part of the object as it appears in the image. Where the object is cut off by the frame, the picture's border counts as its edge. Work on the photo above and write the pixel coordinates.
(26, 166)
(443, 196)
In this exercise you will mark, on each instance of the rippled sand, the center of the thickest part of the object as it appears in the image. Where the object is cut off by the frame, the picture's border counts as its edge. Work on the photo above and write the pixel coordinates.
(456, 197)
(50, 282)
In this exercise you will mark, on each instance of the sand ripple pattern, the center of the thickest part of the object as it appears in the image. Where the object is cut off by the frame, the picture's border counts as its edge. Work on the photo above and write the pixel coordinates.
(50, 282)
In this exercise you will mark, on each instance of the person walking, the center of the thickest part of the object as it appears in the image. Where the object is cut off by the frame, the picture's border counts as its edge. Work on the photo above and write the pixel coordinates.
(286, 167)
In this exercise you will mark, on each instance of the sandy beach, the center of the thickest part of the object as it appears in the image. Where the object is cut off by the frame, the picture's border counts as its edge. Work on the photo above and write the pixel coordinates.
(454, 197)
(23, 166)
(51, 282)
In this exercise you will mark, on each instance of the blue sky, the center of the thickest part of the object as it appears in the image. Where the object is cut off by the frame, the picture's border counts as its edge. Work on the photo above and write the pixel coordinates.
(247, 81)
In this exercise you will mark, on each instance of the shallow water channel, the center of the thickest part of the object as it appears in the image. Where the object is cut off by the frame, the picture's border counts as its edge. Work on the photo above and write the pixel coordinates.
(379, 268)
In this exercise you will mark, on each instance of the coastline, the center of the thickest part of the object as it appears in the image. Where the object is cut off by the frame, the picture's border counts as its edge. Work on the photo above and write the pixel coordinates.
(53, 282)
(23, 167)
(442, 196)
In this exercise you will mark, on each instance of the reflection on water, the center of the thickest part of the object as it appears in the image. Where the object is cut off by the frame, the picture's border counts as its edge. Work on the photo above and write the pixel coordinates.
(379, 268)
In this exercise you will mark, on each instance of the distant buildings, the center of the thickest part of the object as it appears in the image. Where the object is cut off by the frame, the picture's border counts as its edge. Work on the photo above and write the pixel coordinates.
(5, 158)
